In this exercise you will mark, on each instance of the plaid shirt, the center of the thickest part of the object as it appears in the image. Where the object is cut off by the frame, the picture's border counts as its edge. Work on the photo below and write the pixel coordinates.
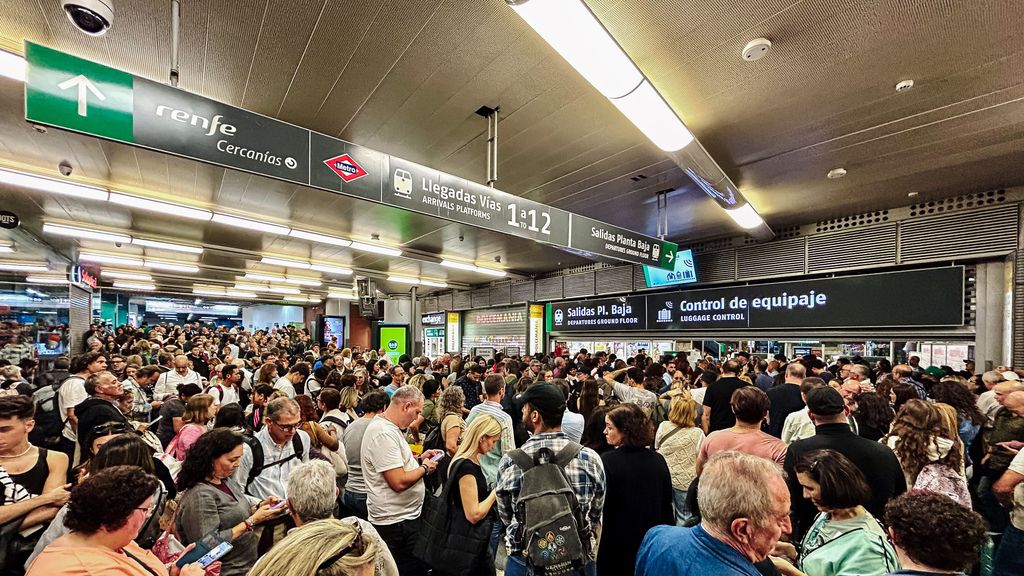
(586, 476)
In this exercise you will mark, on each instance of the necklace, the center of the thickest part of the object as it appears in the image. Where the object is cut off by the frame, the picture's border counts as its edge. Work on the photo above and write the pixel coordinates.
(27, 450)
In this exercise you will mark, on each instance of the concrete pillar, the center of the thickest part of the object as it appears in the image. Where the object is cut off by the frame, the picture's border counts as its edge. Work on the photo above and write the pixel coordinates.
(992, 314)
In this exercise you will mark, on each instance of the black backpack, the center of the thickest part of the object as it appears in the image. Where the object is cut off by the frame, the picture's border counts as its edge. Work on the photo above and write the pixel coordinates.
(553, 534)
(258, 465)
(49, 421)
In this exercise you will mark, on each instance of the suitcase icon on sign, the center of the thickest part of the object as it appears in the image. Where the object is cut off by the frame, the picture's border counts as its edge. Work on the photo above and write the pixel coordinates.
(403, 183)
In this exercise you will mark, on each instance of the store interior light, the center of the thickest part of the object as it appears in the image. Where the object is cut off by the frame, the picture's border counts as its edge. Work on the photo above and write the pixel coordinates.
(133, 285)
(649, 112)
(12, 66)
(51, 185)
(117, 274)
(75, 232)
(322, 238)
(272, 261)
(745, 216)
(33, 279)
(168, 208)
(167, 246)
(172, 266)
(403, 279)
(111, 259)
(339, 270)
(249, 224)
(376, 249)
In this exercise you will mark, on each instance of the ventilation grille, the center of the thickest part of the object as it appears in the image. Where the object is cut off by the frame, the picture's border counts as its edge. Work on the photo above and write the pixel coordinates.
(578, 285)
(573, 270)
(782, 234)
(445, 302)
(429, 304)
(613, 280)
(949, 236)
(715, 267)
(784, 258)
(710, 245)
(548, 289)
(857, 220)
(523, 292)
(79, 315)
(501, 294)
(481, 298)
(979, 199)
(852, 249)
(462, 300)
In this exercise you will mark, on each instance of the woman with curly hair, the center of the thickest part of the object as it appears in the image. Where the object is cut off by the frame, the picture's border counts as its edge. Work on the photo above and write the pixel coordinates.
(969, 416)
(103, 529)
(453, 399)
(213, 502)
(628, 512)
(916, 438)
(874, 416)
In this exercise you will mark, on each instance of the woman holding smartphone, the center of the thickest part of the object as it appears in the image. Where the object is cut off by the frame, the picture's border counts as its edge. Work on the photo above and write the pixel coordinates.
(213, 503)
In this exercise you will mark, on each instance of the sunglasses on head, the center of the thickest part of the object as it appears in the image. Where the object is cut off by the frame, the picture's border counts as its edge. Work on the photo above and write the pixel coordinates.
(356, 546)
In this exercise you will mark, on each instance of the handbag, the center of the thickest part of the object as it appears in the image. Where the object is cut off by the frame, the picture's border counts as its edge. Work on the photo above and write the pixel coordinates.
(446, 539)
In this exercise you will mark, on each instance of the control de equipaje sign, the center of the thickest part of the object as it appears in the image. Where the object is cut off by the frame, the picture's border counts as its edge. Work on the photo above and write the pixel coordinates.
(905, 299)
(75, 94)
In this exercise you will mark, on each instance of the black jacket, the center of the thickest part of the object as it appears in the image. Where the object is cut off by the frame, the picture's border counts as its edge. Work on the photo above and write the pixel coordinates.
(92, 412)
(878, 463)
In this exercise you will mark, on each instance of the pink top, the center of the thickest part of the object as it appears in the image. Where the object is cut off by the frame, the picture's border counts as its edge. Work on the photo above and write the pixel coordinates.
(756, 443)
(183, 442)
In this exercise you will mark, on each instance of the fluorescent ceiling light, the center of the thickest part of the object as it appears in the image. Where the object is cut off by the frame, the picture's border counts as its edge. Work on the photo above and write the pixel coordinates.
(302, 281)
(649, 112)
(262, 276)
(322, 238)
(283, 290)
(342, 296)
(458, 265)
(160, 206)
(12, 66)
(46, 279)
(134, 285)
(340, 270)
(313, 299)
(745, 216)
(75, 232)
(208, 291)
(491, 271)
(109, 259)
(252, 288)
(51, 185)
(434, 283)
(6, 246)
(403, 279)
(249, 224)
(376, 249)
(284, 262)
(172, 266)
(126, 275)
(575, 33)
(167, 246)
(240, 294)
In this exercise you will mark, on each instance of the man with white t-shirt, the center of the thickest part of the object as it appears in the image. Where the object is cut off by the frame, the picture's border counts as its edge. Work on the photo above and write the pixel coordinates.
(72, 393)
(296, 375)
(633, 391)
(168, 382)
(226, 391)
(394, 478)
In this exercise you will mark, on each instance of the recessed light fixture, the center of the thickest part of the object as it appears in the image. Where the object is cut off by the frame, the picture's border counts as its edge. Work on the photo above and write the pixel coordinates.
(12, 66)
(913, 194)
(262, 276)
(904, 85)
(836, 173)
(302, 281)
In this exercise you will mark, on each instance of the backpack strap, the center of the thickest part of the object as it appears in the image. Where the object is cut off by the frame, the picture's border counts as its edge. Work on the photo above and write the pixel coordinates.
(567, 454)
(521, 459)
(336, 420)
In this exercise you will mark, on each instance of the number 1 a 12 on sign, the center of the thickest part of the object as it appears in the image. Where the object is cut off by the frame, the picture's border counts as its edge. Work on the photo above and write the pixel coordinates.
(529, 219)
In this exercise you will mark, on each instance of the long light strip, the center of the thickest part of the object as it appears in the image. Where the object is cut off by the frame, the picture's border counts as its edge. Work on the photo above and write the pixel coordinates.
(272, 261)
(745, 216)
(51, 185)
(171, 266)
(322, 238)
(340, 270)
(7, 247)
(251, 288)
(472, 268)
(32, 279)
(240, 294)
(167, 246)
(262, 276)
(433, 283)
(250, 224)
(284, 290)
(302, 281)
(134, 286)
(75, 232)
(376, 249)
(160, 206)
(117, 274)
(16, 266)
(342, 296)
(208, 291)
(108, 259)
(12, 66)
(403, 279)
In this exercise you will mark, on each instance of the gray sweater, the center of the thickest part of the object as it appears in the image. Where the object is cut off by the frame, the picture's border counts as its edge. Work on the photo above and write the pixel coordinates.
(204, 509)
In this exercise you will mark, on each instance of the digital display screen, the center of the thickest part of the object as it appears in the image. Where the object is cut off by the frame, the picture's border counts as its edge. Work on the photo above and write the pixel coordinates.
(683, 273)
(332, 327)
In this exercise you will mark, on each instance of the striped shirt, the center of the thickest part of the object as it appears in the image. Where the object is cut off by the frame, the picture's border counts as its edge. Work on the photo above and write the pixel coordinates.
(489, 462)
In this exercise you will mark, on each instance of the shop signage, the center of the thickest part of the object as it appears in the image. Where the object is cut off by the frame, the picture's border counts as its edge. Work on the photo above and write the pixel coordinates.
(535, 343)
(82, 277)
(453, 332)
(167, 306)
(9, 220)
(75, 94)
(905, 299)
(436, 319)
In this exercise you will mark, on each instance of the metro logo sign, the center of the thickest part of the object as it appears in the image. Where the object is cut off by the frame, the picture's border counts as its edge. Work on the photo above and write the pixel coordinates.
(345, 167)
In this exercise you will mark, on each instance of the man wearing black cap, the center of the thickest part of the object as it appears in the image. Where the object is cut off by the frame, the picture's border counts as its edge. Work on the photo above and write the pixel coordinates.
(543, 407)
(828, 411)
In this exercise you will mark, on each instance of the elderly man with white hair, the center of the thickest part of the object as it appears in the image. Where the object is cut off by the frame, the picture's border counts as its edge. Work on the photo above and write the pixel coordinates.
(312, 495)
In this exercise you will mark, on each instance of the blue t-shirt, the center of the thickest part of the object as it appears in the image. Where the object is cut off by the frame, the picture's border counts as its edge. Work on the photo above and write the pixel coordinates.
(675, 551)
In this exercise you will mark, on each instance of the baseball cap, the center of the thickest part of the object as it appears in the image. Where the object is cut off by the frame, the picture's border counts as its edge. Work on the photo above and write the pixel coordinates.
(544, 398)
(937, 372)
(825, 401)
(1010, 376)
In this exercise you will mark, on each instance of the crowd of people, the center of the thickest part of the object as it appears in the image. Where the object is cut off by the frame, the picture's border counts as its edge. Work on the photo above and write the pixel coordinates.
(166, 450)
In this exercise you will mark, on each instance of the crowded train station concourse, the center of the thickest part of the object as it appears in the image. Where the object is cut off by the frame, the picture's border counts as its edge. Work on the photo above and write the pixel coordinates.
(511, 287)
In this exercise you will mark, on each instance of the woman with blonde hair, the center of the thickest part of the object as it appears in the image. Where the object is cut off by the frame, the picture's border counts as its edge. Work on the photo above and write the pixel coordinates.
(346, 357)
(322, 548)
(678, 440)
(452, 424)
(198, 411)
(417, 381)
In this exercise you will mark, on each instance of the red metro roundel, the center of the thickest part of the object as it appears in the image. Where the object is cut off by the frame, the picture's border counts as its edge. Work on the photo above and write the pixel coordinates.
(345, 167)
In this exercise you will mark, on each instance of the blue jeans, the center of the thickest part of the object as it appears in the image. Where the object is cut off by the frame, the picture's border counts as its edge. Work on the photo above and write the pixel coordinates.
(682, 509)
(356, 502)
(497, 533)
(516, 566)
(1009, 560)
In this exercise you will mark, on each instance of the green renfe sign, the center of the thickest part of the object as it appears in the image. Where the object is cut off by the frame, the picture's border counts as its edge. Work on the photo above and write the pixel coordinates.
(68, 92)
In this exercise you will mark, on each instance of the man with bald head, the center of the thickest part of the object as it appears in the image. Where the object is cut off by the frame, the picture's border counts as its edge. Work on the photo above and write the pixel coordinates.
(168, 382)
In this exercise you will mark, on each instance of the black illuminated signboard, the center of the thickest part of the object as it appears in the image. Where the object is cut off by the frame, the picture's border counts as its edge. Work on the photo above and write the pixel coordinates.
(906, 299)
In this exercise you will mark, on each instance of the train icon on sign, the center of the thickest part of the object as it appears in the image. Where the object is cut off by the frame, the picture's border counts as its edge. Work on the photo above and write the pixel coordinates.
(403, 183)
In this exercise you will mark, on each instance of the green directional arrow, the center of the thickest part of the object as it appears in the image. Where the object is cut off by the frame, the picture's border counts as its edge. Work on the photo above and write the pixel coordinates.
(667, 258)
(68, 92)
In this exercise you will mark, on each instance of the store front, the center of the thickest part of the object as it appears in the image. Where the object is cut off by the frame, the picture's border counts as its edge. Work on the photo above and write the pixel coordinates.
(512, 331)
(433, 334)
(34, 320)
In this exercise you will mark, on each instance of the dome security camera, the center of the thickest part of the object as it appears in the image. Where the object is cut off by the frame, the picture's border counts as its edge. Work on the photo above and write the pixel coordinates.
(93, 17)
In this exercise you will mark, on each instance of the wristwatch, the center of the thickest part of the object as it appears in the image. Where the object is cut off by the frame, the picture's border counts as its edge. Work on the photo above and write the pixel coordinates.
(249, 524)
(426, 469)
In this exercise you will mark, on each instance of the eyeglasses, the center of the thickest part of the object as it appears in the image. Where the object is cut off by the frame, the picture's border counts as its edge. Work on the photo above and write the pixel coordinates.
(356, 546)
(110, 428)
(149, 510)
(286, 427)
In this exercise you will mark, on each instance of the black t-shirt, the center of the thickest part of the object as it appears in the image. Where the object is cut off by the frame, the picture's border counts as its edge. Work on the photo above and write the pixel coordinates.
(466, 467)
(785, 399)
(171, 409)
(718, 397)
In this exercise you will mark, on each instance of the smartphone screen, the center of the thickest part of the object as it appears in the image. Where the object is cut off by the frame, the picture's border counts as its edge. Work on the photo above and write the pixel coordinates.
(203, 546)
(215, 554)
(437, 457)
(279, 505)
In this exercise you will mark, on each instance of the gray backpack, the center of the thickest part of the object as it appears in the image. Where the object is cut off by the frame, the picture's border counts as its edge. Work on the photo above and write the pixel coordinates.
(552, 533)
